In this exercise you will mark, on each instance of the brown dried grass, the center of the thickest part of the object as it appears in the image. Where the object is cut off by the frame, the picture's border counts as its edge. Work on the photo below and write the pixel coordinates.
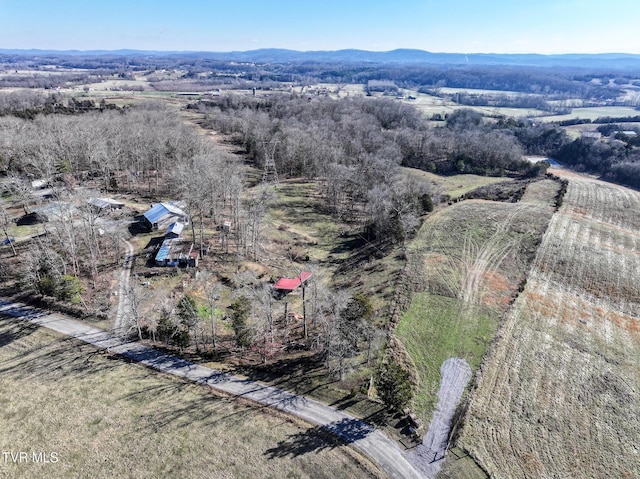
(106, 418)
(557, 395)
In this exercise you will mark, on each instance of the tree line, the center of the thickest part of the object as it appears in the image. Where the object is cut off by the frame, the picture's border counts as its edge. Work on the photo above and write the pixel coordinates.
(616, 159)
(126, 149)
(308, 136)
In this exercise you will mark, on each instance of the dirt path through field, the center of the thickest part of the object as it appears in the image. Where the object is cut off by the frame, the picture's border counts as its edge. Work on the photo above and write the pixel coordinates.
(120, 325)
(427, 457)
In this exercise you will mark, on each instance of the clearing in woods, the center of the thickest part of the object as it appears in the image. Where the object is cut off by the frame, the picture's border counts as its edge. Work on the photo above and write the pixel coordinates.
(105, 418)
(454, 185)
(558, 394)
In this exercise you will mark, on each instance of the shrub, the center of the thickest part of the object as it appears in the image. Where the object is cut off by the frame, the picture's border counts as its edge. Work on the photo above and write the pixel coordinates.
(393, 384)
(240, 310)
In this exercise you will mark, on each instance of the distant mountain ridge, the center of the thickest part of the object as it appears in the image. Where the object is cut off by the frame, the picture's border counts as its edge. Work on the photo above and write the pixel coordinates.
(398, 56)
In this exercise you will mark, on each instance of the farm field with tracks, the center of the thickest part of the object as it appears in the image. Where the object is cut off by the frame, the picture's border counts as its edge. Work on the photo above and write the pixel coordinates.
(558, 394)
(465, 265)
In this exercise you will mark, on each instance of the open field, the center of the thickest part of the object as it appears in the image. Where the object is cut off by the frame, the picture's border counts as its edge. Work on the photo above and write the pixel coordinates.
(435, 329)
(431, 105)
(514, 112)
(297, 219)
(478, 91)
(467, 262)
(558, 394)
(103, 417)
(454, 185)
(591, 113)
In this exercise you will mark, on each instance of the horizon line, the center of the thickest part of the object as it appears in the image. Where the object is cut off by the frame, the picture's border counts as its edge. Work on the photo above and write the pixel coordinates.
(142, 50)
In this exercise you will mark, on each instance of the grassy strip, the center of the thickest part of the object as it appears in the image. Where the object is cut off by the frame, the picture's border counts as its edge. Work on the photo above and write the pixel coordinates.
(455, 185)
(467, 263)
(436, 328)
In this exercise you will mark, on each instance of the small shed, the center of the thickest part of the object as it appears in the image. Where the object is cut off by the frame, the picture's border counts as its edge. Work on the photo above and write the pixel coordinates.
(105, 204)
(287, 285)
(175, 252)
(174, 230)
(162, 257)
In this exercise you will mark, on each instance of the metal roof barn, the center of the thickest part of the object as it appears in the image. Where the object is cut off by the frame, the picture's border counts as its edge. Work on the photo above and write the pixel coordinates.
(164, 214)
(163, 252)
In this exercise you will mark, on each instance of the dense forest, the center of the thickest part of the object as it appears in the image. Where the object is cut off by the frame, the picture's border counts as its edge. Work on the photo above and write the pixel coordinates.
(306, 136)
(356, 145)
(617, 159)
(345, 138)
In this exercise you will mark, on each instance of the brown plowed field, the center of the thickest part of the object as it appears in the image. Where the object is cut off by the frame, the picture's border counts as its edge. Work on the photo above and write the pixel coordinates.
(558, 394)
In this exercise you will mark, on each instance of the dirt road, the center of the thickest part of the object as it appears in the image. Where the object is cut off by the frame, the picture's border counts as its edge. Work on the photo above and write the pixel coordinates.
(120, 324)
(427, 457)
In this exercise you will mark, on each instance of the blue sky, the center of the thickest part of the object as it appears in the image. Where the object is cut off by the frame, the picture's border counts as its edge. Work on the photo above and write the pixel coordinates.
(464, 26)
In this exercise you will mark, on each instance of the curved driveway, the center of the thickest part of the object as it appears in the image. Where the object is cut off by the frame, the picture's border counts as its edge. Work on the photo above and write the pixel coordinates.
(385, 452)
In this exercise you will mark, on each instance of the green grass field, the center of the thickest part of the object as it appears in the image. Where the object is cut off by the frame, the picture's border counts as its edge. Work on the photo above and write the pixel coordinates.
(436, 328)
(454, 185)
(466, 264)
(104, 418)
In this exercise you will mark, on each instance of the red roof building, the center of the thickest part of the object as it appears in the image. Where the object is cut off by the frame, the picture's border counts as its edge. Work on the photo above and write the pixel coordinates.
(290, 284)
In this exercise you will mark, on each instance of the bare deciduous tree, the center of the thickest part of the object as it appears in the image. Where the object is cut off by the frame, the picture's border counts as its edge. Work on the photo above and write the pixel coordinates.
(20, 189)
(4, 224)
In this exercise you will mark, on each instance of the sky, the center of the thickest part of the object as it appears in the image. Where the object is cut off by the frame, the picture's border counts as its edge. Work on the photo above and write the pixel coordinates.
(455, 26)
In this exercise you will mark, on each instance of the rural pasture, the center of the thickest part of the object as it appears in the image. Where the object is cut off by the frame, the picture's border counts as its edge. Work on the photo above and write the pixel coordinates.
(591, 113)
(104, 417)
(557, 395)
